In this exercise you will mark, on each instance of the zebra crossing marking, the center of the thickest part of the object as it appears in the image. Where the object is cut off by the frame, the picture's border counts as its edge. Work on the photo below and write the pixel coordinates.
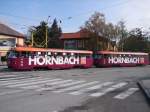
(16, 80)
(126, 93)
(114, 87)
(60, 86)
(21, 81)
(10, 92)
(99, 86)
(35, 86)
(54, 82)
(32, 83)
(76, 87)
(13, 78)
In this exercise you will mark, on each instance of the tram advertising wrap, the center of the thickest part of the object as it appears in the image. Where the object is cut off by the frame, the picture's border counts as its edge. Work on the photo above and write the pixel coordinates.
(108, 59)
(26, 58)
(30, 58)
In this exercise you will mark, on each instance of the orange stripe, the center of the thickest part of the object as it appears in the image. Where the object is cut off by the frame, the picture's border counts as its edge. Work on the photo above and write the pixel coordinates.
(51, 50)
(130, 53)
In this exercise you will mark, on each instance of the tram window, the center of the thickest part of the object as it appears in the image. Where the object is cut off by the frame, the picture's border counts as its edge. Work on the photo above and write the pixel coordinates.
(43, 53)
(39, 53)
(95, 56)
(48, 53)
(59, 54)
(82, 55)
(111, 55)
(32, 54)
(98, 56)
(13, 54)
(23, 54)
(72, 54)
(55, 53)
(106, 55)
(88, 56)
(76, 55)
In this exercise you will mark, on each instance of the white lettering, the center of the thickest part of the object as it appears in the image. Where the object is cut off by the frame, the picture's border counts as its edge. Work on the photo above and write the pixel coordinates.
(50, 60)
(115, 60)
(40, 60)
(32, 60)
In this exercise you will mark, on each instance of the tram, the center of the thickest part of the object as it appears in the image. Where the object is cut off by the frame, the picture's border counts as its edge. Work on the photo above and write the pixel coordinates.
(110, 59)
(149, 58)
(27, 58)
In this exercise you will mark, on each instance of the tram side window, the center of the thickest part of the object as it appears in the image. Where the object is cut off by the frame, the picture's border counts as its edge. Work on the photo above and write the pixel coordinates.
(23, 54)
(106, 55)
(81, 55)
(26, 54)
(88, 56)
(76, 55)
(13, 54)
(98, 56)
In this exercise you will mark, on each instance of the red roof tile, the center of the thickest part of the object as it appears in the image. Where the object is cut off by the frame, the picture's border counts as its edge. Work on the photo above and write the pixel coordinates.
(76, 35)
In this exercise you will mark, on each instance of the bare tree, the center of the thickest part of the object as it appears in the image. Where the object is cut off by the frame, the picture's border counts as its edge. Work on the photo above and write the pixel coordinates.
(99, 29)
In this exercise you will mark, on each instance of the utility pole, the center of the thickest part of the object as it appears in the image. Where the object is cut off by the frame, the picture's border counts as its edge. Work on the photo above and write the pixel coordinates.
(32, 39)
(46, 38)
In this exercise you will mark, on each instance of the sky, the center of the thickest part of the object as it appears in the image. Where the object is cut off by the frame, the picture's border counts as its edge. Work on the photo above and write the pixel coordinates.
(21, 14)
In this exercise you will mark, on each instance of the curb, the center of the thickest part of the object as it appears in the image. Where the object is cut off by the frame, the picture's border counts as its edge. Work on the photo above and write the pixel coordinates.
(144, 90)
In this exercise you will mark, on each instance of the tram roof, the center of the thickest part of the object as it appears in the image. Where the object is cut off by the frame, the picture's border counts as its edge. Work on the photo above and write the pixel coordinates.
(50, 50)
(130, 53)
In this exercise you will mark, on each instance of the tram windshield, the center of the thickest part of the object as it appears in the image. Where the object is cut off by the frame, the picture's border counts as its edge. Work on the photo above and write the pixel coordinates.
(13, 54)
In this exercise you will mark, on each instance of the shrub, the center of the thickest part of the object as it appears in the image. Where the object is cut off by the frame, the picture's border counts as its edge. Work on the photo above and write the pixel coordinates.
(3, 58)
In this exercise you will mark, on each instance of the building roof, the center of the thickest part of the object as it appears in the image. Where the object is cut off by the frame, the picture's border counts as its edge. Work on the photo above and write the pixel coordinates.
(5, 30)
(75, 35)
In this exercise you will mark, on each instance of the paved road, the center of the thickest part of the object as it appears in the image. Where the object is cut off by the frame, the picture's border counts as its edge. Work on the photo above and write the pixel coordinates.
(80, 90)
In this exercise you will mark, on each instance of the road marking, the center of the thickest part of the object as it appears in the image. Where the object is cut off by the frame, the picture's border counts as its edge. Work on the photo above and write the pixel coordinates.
(114, 87)
(54, 82)
(11, 92)
(60, 86)
(59, 82)
(24, 81)
(34, 86)
(33, 83)
(76, 87)
(6, 81)
(99, 86)
(127, 93)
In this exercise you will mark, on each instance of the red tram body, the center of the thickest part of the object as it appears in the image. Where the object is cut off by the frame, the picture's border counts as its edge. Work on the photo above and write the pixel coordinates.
(110, 59)
(26, 58)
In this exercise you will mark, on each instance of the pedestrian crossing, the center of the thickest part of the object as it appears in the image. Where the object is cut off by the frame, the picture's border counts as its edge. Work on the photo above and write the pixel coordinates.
(67, 86)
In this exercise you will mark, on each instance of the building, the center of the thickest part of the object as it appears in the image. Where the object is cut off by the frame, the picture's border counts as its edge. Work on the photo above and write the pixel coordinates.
(77, 40)
(9, 38)
(84, 41)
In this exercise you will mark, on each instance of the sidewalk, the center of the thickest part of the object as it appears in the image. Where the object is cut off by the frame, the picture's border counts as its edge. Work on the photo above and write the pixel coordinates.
(145, 87)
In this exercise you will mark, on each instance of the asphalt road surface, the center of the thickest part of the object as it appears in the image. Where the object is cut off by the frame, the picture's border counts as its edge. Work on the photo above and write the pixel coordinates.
(73, 90)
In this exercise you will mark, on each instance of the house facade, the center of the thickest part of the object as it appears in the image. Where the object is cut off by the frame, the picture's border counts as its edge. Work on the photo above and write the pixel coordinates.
(9, 38)
(83, 41)
(77, 40)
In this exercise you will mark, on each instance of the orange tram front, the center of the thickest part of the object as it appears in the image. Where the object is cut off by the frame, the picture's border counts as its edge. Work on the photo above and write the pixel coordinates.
(110, 59)
(26, 58)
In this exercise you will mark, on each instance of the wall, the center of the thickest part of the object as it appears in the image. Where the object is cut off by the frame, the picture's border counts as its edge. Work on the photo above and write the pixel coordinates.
(7, 42)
